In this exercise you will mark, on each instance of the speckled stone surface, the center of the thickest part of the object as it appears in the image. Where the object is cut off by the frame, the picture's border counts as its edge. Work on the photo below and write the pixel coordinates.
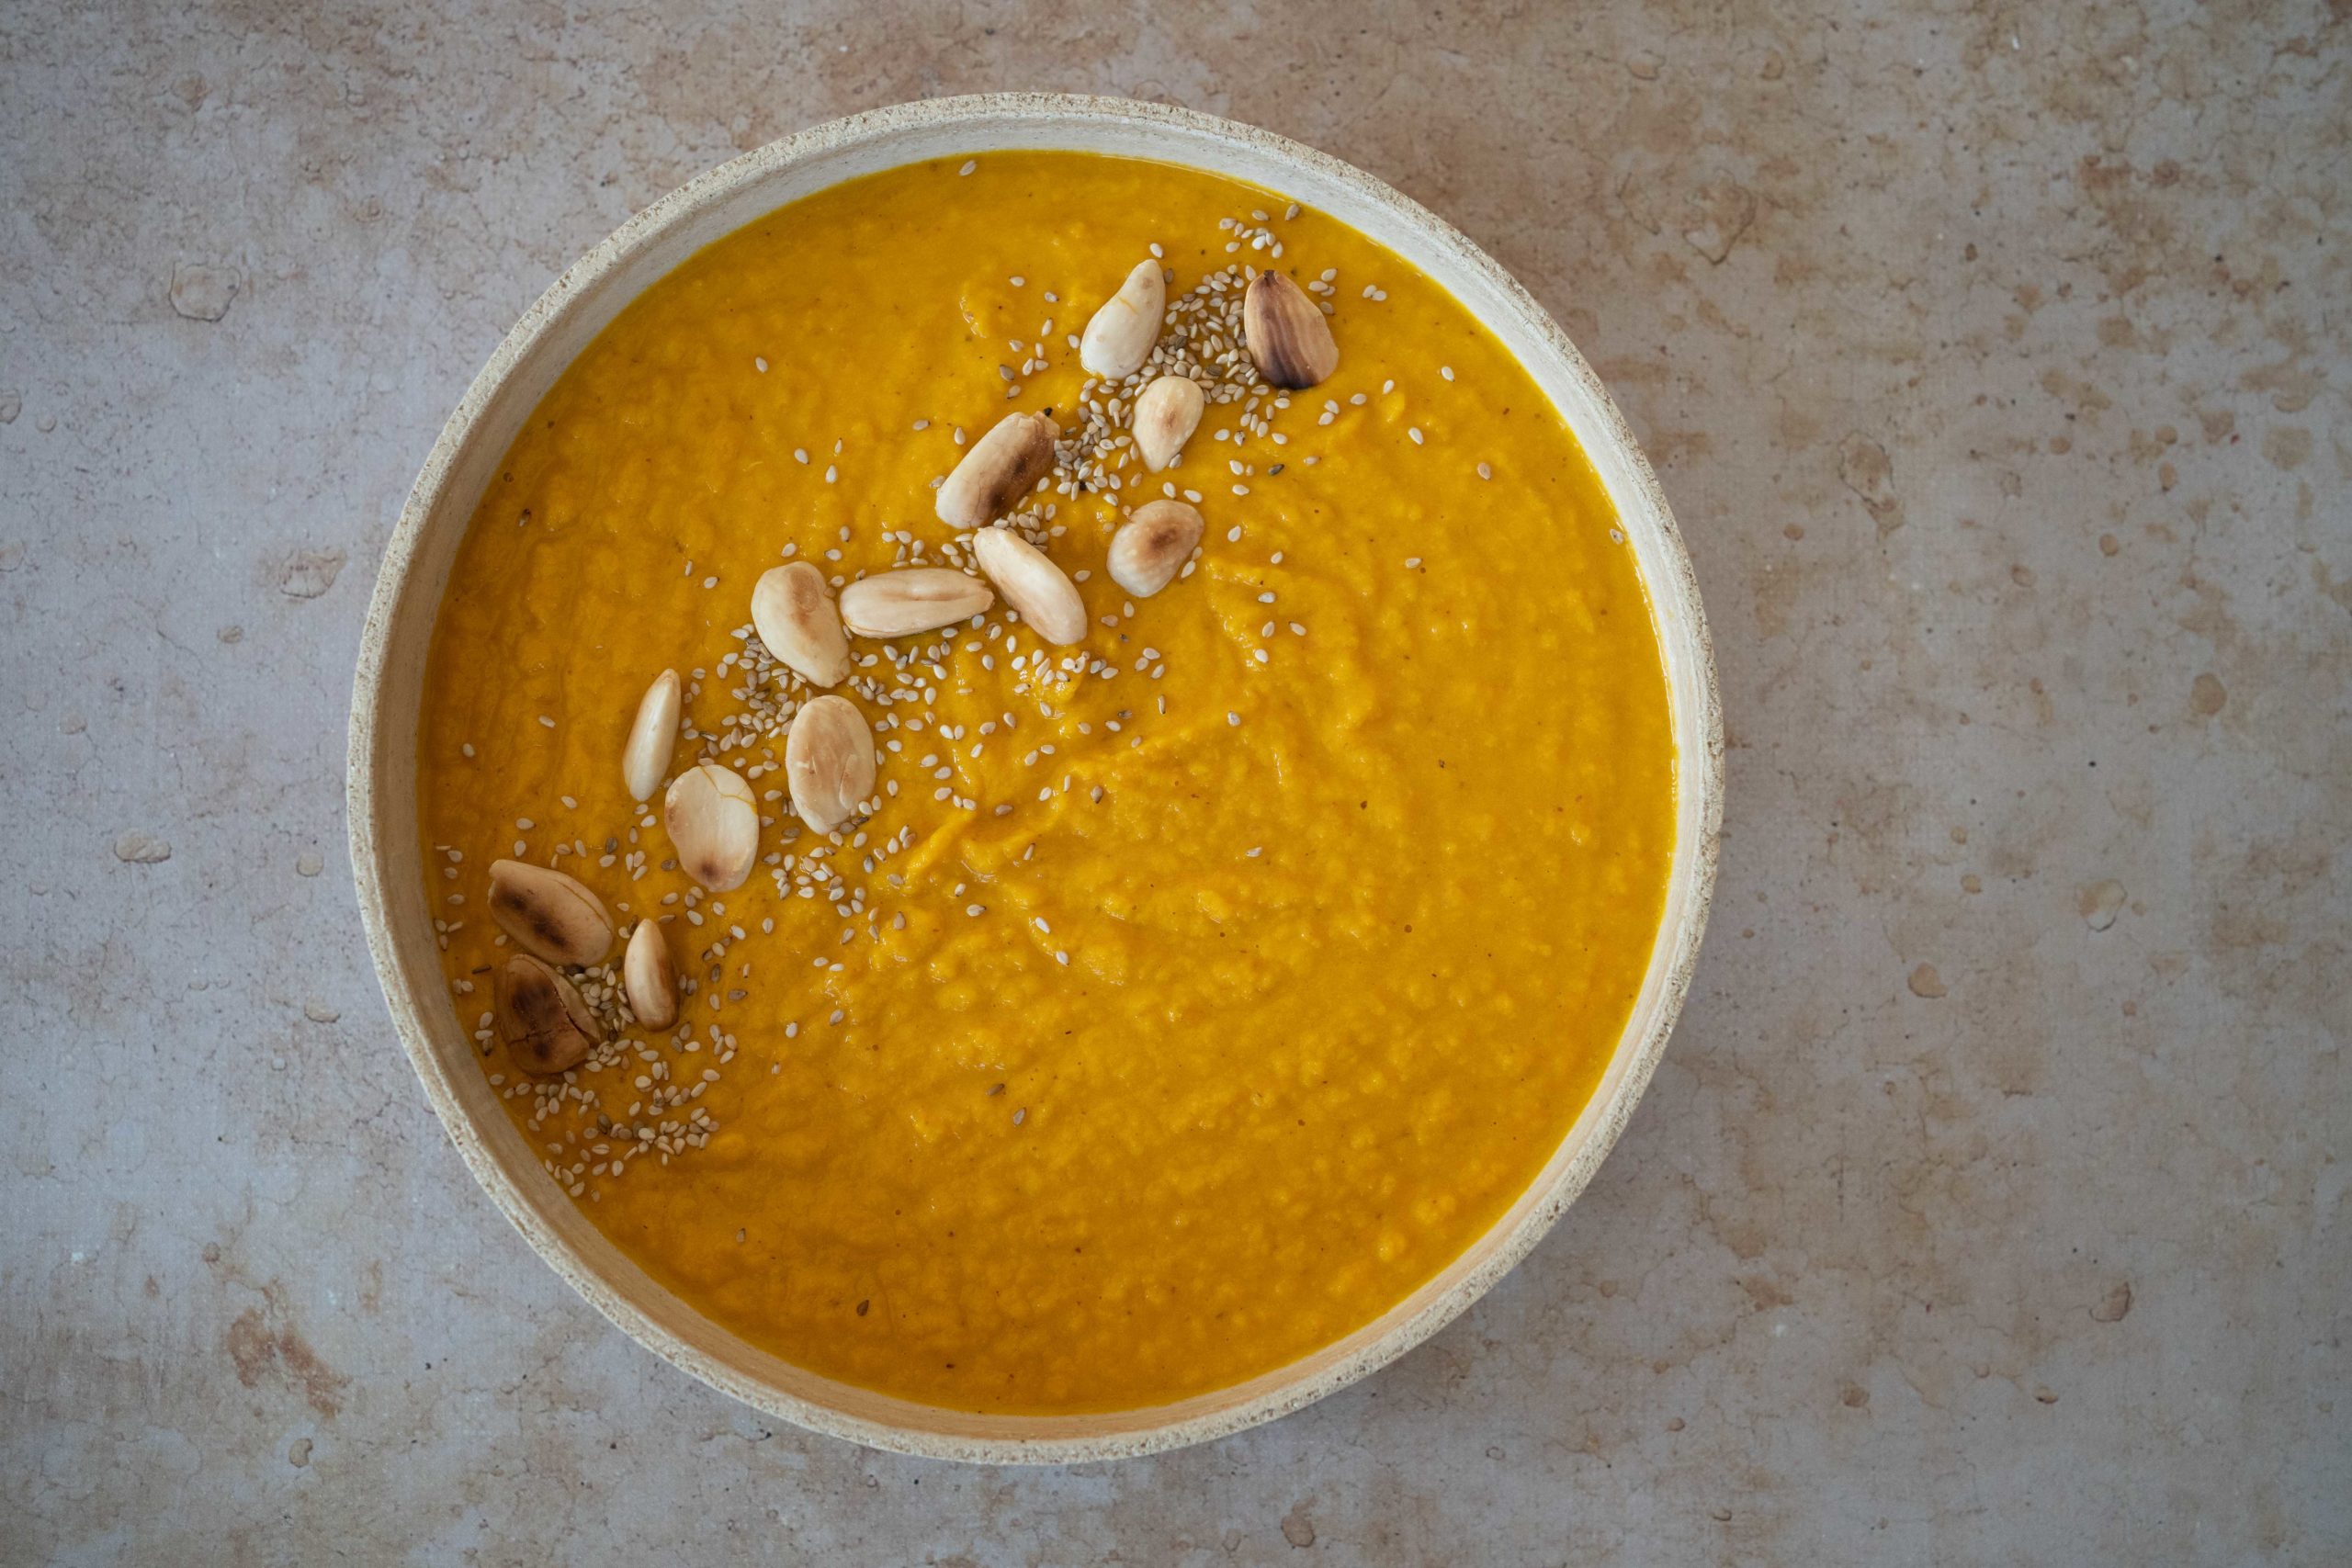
(1991, 1203)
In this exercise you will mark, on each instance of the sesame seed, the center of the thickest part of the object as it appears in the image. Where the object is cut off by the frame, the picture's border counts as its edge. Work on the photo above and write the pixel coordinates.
(969, 164)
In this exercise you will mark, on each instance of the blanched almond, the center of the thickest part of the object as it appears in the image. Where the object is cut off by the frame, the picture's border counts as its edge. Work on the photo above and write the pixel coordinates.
(548, 913)
(1165, 415)
(1288, 337)
(714, 824)
(650, 983)
(920, 599)
(1032, 584)
(1152, 546)
(998, 472)
(652, 738)
(792, 612)
(546, 1028)
(829, 762)
(1119, 337)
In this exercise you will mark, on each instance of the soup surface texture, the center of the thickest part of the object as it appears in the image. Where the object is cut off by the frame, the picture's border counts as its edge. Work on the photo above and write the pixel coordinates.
(1177, 1013)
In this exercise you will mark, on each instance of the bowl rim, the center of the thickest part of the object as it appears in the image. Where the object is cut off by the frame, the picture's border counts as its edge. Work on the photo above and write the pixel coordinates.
(1679, 940)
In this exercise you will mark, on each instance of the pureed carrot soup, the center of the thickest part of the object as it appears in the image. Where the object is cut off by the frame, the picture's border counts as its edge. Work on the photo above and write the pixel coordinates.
(1114, 963)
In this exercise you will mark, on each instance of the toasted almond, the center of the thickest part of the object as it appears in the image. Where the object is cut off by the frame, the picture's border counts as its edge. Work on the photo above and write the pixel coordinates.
(1032, 584)
(920, 599)
(714, 824)
(546, 1027)
(1288, 337)
(1152, 546)
(998, 472)
(548, 913)
(792, 612)
(829, 762)
(1119, 337)
(646, 759)
(646, 977)
(1165, 415)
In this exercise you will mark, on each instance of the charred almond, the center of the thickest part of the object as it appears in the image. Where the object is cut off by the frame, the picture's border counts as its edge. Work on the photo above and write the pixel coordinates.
(829, 762)
(792, 612)
(1165, 416)
(998, 472)
(652, 738)
(646, 977)
(1032, 584)
(546, 1028)
(1289, 339)
(714, 824)
(920, 599)
(1119, 337)
(548, 913)
(1152, 546)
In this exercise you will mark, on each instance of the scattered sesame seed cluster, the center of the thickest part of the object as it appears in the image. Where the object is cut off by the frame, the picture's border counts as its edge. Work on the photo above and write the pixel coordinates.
(566, 1012)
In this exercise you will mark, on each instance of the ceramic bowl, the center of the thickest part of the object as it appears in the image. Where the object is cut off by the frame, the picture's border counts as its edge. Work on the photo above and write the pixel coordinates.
(383, 816)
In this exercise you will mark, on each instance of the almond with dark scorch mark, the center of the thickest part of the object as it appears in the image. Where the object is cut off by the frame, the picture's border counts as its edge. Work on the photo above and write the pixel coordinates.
(546, 1025)
(548, 913)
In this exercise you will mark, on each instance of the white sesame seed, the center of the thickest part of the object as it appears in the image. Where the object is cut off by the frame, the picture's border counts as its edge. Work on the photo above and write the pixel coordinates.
(969, 164)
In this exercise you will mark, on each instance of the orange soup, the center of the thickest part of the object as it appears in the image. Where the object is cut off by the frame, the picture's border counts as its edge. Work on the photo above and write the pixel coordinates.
(1183, 995)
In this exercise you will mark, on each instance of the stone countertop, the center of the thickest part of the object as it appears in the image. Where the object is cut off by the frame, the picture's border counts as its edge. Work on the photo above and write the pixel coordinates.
(1991, 1202)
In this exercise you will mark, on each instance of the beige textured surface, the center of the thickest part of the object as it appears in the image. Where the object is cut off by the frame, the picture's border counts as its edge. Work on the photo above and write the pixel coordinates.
(1991, 1203)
